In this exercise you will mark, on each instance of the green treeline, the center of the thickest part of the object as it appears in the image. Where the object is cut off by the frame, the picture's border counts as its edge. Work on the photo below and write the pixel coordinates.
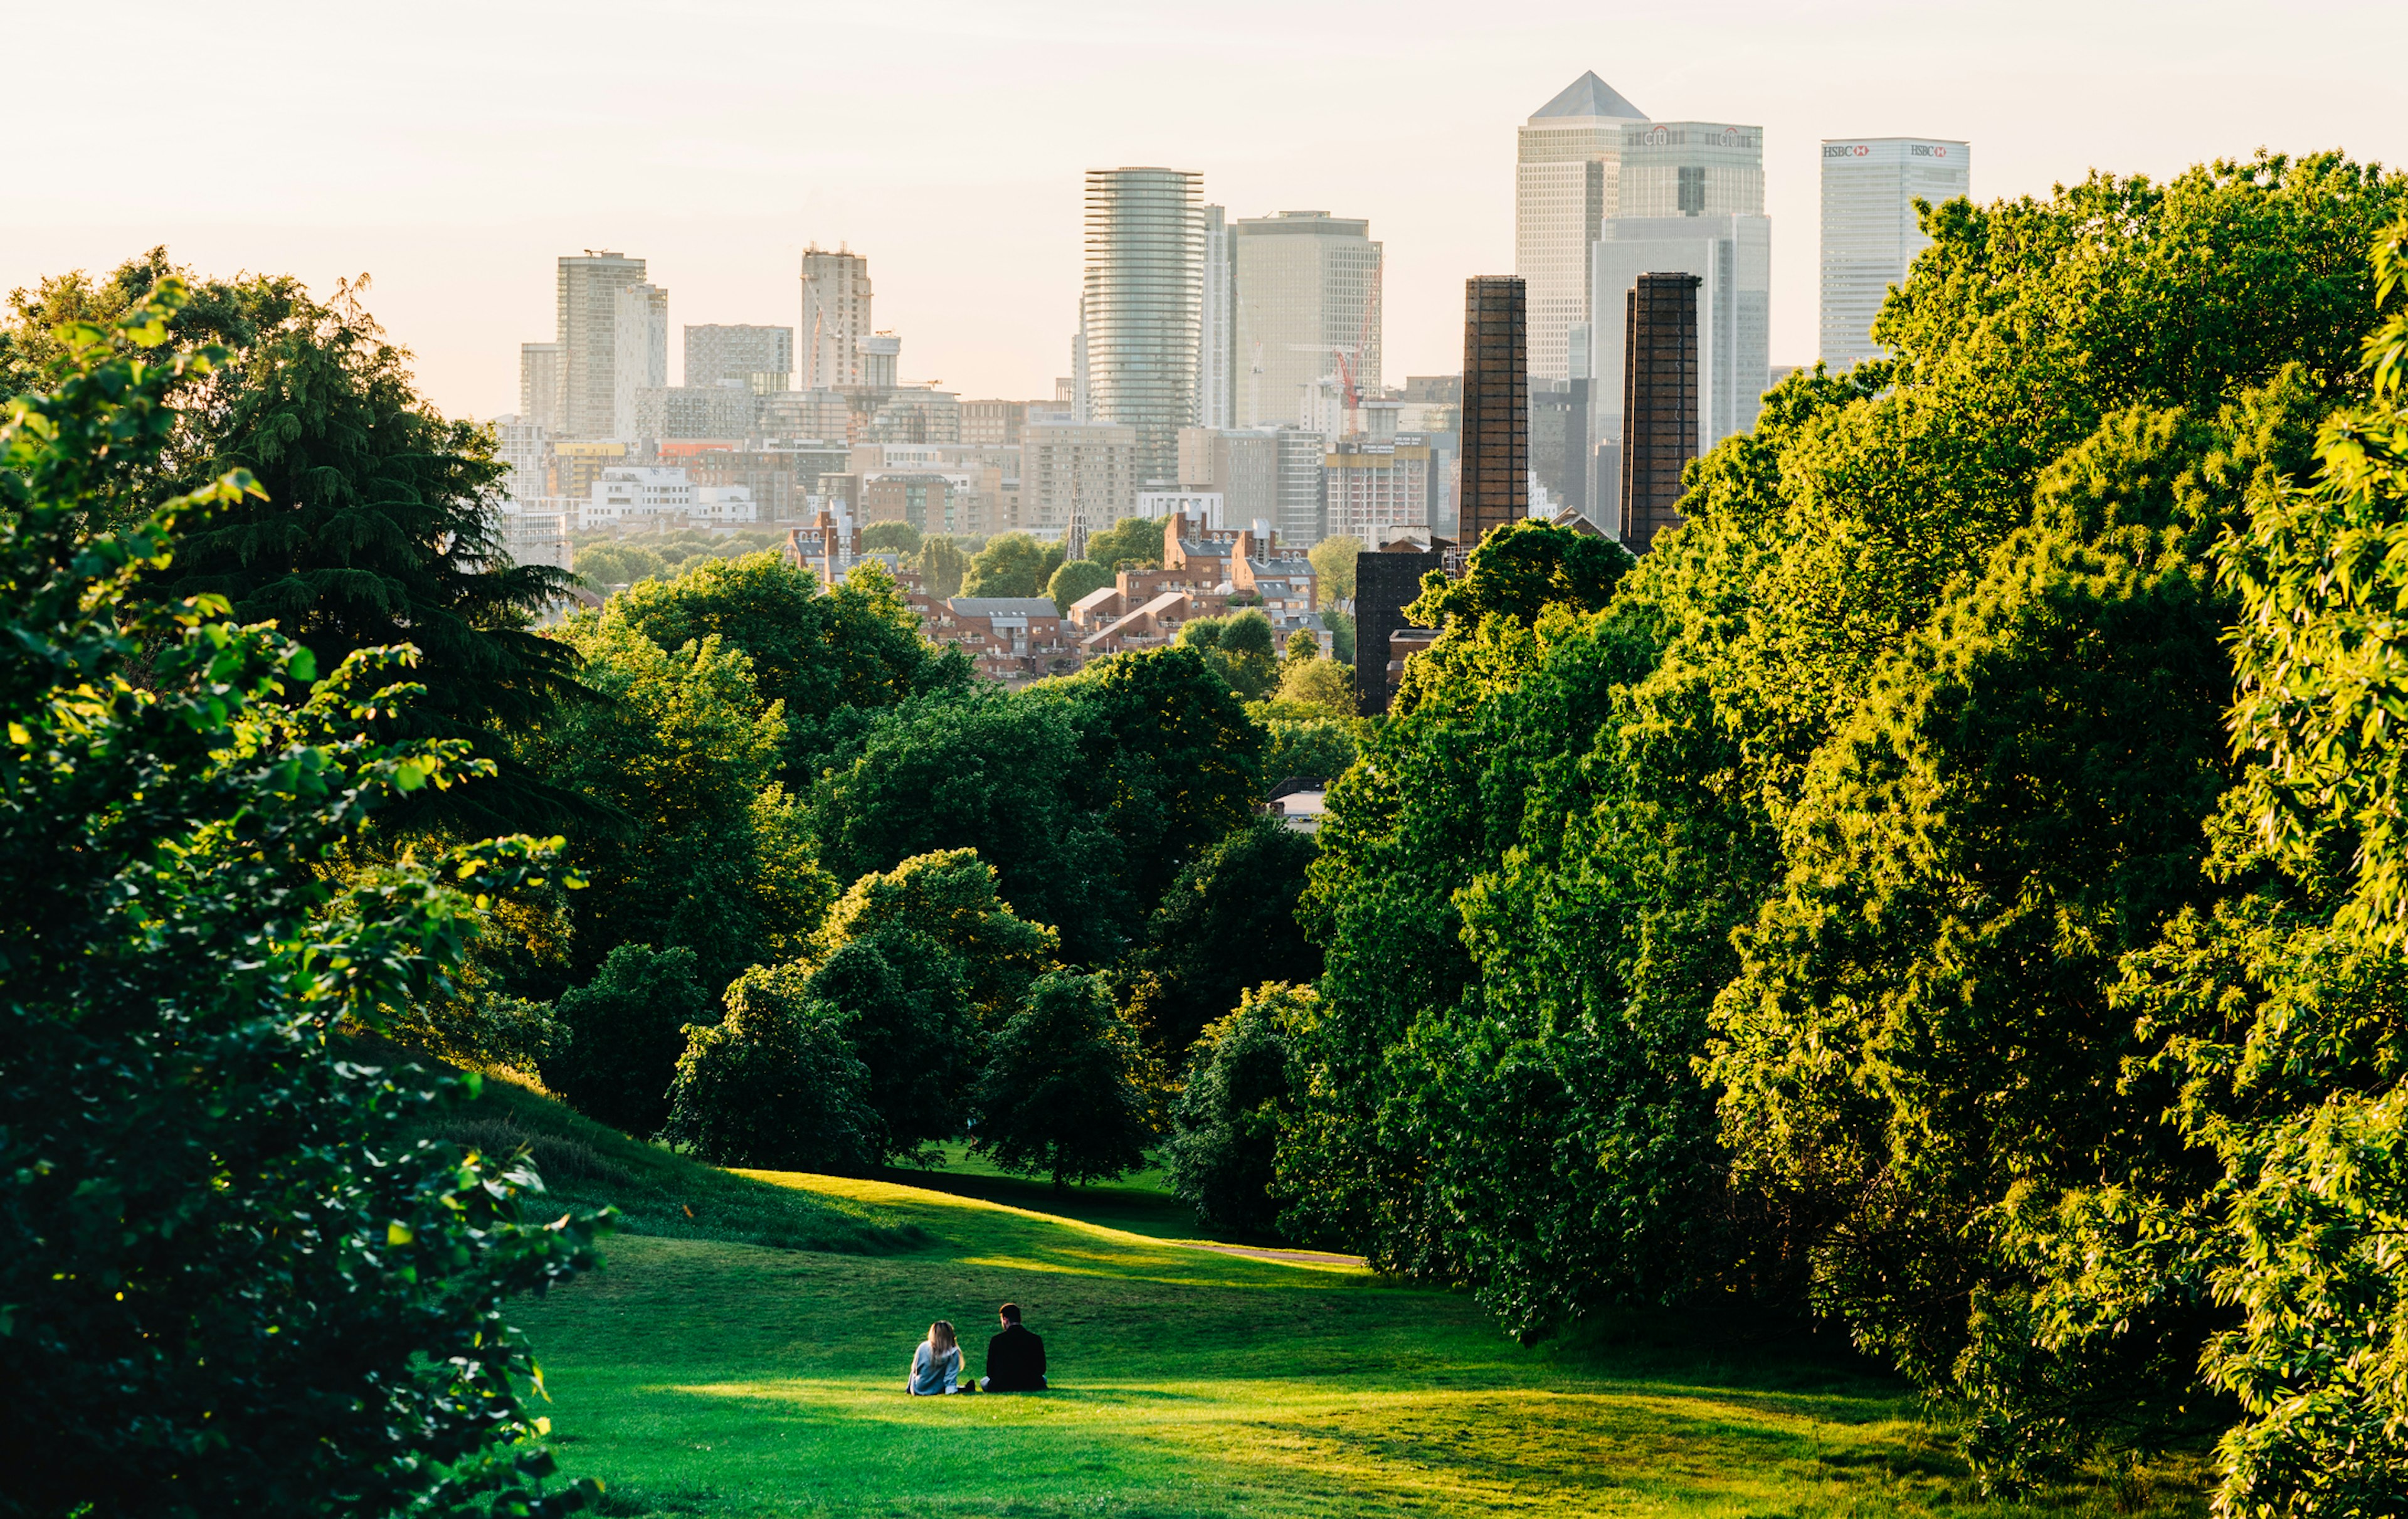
(1874, 903)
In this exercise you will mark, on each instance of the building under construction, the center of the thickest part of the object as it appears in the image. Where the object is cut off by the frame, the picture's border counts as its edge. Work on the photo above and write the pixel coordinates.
(1659, 403)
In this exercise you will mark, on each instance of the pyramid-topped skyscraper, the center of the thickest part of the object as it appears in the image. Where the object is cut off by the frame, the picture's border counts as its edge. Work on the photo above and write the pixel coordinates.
(1567, 180)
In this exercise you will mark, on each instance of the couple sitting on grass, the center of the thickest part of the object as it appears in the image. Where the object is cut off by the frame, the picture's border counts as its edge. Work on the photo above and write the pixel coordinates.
(1015, 1361)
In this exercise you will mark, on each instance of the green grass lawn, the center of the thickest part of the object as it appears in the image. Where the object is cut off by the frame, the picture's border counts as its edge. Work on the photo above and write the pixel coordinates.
(703, 1375)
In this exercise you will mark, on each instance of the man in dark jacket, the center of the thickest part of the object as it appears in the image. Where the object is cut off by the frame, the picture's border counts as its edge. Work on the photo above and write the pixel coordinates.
(1015, 1359)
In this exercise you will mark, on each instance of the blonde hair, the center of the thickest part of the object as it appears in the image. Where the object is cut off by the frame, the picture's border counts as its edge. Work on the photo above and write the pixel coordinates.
(940, 1337)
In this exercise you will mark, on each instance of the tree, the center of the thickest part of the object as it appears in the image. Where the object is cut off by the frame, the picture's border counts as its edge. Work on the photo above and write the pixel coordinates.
(1061, 1092)
(376, 525)
(1315, 746)
(824, 657)
(896, 536)
(712, 854)
(918, 966)
(1221, 1156)
(1239, 647)
(993, 772)
(1341, 635)
(1169, 764)
(1131, 543)
(942, 566)
(1076, 580)
(1012, 565)
(774, 1085)
(1225, 924)
(233, 1284)
(620, 1036)
(1333, 568)
(1323, 685)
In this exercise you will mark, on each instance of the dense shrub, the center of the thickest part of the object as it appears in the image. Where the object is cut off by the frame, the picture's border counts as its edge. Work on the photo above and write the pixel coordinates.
(1225, 1127)
(775, 1085)
(617, 1039)
(1062, 1092)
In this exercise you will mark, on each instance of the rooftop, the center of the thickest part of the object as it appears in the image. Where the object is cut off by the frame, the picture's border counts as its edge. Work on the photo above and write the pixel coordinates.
(1589, 95)
(1005, 607)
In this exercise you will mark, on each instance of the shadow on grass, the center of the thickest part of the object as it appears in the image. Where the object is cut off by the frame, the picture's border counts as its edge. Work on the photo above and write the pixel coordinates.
(1108, 1205)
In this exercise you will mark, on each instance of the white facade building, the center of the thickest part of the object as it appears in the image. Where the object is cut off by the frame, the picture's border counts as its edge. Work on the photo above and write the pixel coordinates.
(636, 492)
(1215, 355)
(1567, 179)
(540, 385)
(1307, 286)
(1869, 232)
(836, 318)
(1376, 486)
(1156, 505)
(724, 504)
(640, 357)
(1141, 304)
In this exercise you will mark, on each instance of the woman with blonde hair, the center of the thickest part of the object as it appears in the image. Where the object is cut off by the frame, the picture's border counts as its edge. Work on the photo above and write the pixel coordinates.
(937, 1365)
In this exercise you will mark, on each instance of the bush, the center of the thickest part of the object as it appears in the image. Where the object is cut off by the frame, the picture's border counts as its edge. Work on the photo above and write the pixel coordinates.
(890, 537)
(1226, 1125)
(1061, 1093)
(1075, 579)
(1322, 683)
(775, 1085)
(621, 1034)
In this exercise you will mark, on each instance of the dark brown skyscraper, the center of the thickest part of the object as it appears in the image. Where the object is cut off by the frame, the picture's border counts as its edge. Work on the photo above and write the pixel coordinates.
(1659, 403)
(1496, 407)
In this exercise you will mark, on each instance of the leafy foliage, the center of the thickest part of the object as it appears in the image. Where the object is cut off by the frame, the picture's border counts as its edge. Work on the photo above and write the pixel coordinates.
(1131, 543)
(1076, 580)
(618, 1035)
(1333, 568)
(775, 1085)
(943, 566)
(231, 1284)
(1061, 1094)
(1223, 1144)
(1225, 924)
(1012, 565)
(896, 536)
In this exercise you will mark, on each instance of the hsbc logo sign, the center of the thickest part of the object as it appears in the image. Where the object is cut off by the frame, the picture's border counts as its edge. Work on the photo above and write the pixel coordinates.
(1864, 150)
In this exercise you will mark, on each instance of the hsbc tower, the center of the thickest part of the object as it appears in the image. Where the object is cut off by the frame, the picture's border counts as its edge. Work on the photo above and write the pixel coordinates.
(1870, 236)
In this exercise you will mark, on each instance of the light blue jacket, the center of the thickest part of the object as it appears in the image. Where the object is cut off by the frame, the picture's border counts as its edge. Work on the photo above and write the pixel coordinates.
(932, 1373)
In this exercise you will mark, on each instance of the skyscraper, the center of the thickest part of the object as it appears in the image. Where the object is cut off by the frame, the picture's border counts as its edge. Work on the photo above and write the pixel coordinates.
(1691, 200)
(640, 357)
(1869, 232)
(1143, 307)
(1568, 178)
(1308, 310)
(539, 386)
(1659, 402)
(1495, 470)
(1215, 394)
(836, 317)
(588, 335)
(718, 352)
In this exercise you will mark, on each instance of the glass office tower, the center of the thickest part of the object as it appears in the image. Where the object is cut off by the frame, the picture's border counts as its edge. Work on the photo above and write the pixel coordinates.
(1142, 309)
(1869, 232)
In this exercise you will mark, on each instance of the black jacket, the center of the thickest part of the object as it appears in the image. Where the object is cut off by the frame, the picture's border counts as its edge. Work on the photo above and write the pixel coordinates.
(1016, 1362)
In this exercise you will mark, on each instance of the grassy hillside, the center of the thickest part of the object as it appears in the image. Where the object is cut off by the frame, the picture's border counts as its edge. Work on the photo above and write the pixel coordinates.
(706, 1376)
(661, 1194)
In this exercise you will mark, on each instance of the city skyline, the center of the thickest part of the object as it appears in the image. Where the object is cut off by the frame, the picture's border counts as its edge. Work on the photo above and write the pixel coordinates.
(976, 250)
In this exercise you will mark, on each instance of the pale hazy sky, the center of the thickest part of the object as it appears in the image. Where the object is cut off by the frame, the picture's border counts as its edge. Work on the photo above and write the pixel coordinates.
(453, 150)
